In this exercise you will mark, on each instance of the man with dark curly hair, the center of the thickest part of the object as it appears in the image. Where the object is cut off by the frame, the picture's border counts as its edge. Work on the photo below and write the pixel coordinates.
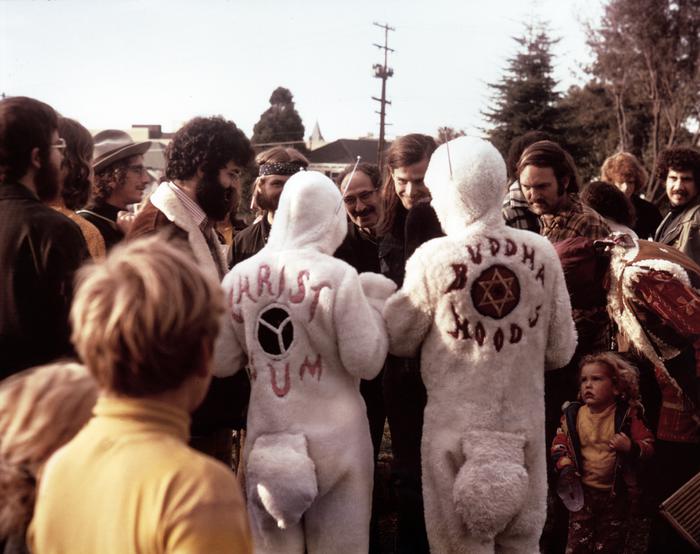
(120, 179)
(679, 169)
(204, 161)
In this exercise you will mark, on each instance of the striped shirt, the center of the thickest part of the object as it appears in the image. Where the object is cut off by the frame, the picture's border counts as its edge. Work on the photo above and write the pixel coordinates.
(197, 214)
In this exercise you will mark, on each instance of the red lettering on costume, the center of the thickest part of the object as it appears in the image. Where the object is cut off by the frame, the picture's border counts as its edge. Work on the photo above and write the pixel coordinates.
(516, 333)
(298, 297)
(243, 287)
(479, 333)
(494, 245)
(264, 273)
(460, 326)
(280, 391)
(311, 367)
(511, 248)
(280, 283)
(540, 275)
(317, 292)
(460, 280)
(529, 256)
(475, 256)
(532, 321)
(498, 339)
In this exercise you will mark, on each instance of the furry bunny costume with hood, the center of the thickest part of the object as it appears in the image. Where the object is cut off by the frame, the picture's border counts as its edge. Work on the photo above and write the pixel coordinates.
(310, 328)
(488, 308)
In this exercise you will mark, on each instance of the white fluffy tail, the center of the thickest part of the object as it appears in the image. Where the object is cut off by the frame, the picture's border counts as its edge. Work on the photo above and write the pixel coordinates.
(491, 486)
(281, 477)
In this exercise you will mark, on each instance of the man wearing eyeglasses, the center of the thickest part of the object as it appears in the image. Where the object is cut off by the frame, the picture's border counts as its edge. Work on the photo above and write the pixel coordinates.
(120, 179)
(203, 167)
(363, 204)
(40, 249)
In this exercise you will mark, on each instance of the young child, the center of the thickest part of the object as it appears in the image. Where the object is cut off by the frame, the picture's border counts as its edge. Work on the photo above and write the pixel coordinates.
(597, 448)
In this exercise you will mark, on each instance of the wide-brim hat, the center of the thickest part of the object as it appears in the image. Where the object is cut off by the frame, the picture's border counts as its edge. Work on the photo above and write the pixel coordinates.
(113, 145)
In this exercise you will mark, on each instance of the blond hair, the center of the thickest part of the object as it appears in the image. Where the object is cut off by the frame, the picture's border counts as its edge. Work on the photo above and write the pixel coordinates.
(143, 317)
(624, 167)
(41, 409)
(624, 375)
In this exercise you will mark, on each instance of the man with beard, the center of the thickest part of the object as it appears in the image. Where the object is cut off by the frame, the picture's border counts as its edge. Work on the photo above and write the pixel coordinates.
(276, 165)
(40, 249)
(679, 169)
(203, 167)
(120, 179)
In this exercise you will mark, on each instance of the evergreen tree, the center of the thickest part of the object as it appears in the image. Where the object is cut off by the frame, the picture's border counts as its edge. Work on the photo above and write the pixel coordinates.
(281, 122)
(525, 98)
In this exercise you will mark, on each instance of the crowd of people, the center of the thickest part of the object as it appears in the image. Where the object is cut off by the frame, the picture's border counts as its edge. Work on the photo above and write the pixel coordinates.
(533, 344)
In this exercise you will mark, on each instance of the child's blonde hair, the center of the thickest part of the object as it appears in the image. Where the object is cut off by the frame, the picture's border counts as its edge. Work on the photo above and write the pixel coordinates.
(623, 374)
(143, 317)
(41, 409)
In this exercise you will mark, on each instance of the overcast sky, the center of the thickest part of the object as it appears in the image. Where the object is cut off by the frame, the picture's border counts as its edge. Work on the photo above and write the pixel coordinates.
(119, 62)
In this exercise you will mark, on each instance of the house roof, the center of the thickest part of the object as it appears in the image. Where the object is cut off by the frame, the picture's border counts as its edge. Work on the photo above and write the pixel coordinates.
(345, 151)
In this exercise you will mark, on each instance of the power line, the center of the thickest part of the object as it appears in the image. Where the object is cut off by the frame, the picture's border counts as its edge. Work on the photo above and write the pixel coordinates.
(383, 72)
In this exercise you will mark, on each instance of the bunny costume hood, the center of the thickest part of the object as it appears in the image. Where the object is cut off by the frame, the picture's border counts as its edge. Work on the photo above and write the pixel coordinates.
(310, 214)
(465, 179)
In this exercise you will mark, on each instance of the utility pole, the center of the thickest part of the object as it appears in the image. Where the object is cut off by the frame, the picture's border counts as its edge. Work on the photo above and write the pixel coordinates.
(382, 72)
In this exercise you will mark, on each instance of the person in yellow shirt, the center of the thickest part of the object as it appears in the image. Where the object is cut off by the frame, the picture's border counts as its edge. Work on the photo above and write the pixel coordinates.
(144, 322)
(596, 448)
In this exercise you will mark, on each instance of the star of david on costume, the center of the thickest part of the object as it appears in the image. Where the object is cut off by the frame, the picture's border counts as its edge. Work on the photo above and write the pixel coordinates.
(501, 296)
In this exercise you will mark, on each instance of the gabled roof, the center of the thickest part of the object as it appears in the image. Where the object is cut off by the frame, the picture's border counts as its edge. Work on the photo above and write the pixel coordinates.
(345, 151)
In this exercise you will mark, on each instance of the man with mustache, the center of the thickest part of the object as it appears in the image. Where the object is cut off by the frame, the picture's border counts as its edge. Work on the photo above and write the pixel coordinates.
(275, 167)
(362, 198)
(203, 167)
(40, 249)
(679, 168)
(549, 181)
(120, 179)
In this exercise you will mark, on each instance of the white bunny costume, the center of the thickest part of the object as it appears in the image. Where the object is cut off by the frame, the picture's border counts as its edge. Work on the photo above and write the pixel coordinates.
(489, 306)
(309, 328)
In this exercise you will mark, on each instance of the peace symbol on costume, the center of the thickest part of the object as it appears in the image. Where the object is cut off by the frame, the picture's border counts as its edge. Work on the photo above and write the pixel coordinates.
(496, 292)
(275, 331)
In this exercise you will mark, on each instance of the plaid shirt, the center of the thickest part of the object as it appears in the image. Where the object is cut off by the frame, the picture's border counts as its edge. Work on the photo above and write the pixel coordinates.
(516, 211)
(577, 221)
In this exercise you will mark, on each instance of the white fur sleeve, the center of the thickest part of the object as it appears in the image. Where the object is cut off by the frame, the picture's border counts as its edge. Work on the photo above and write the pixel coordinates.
(362, 339)
(561, 342)
(409, 312)
(229, 356)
